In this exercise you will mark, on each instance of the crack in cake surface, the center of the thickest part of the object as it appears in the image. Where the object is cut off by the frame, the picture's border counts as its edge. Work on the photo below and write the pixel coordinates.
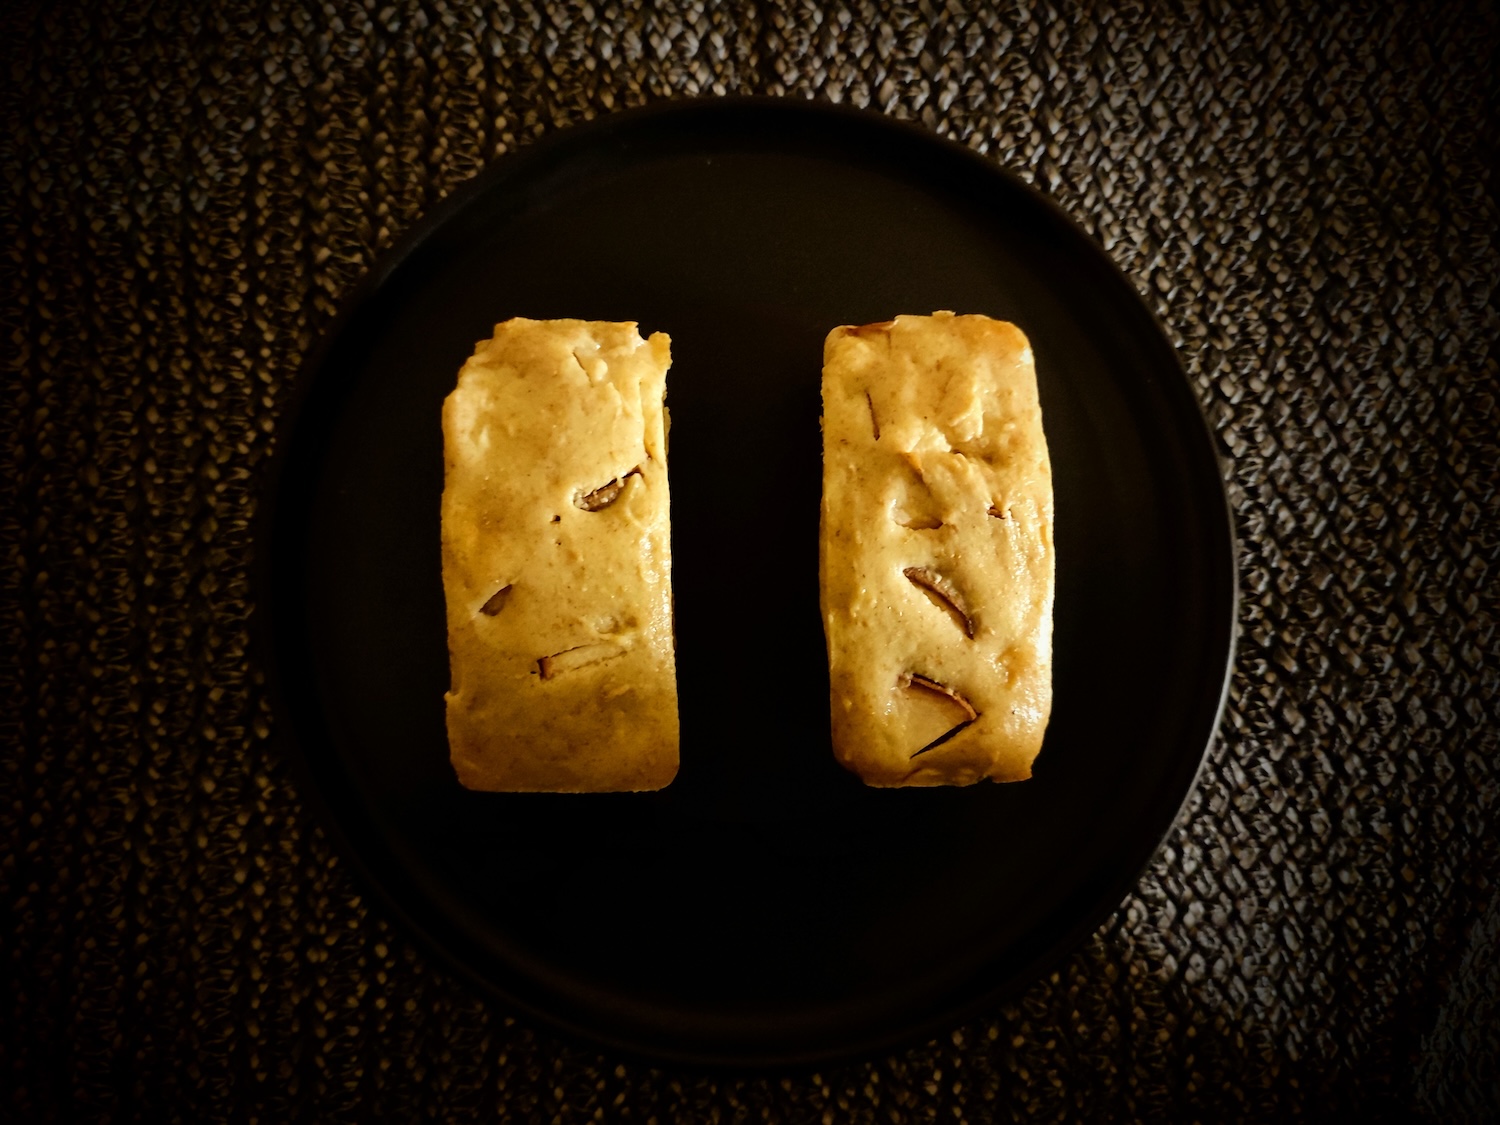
(579, 656)
(496, 601)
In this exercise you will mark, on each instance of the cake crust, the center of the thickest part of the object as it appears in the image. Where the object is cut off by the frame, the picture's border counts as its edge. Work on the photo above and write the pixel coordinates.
(936, 559)
(556, 546)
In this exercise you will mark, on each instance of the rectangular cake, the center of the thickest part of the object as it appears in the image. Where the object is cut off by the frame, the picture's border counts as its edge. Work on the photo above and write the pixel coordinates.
(936, 562)
(557, 561)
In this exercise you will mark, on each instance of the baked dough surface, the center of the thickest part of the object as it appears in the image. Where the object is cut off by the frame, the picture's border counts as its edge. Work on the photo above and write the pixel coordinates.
(936, 561)
(557, 561)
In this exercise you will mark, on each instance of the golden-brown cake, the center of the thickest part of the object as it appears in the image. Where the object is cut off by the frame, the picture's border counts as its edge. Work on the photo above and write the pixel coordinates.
(557, 561)
(936, 562)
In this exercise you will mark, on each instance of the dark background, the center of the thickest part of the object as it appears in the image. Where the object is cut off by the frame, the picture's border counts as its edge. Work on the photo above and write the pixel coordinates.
(1306, 196)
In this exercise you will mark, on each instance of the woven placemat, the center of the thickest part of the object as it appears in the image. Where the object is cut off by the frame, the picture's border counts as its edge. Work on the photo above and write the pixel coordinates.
(1306, 196)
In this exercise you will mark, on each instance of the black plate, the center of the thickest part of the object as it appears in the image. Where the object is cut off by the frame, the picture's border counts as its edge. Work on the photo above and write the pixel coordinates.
(767, 907)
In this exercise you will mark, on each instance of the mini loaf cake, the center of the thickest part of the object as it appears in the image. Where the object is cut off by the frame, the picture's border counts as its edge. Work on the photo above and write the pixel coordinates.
(557, 561)
(936, 562)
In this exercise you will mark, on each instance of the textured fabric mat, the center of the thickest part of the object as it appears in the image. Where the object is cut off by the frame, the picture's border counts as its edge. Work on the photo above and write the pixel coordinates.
(1306, 196)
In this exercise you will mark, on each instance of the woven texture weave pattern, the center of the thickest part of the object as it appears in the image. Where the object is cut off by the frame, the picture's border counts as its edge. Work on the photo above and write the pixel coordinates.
(1306, 196)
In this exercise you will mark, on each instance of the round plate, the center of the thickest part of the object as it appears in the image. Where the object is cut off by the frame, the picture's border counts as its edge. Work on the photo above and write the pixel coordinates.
(766, 908)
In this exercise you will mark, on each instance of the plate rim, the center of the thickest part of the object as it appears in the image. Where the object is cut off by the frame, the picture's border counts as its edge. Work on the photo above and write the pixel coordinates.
(288, 740)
